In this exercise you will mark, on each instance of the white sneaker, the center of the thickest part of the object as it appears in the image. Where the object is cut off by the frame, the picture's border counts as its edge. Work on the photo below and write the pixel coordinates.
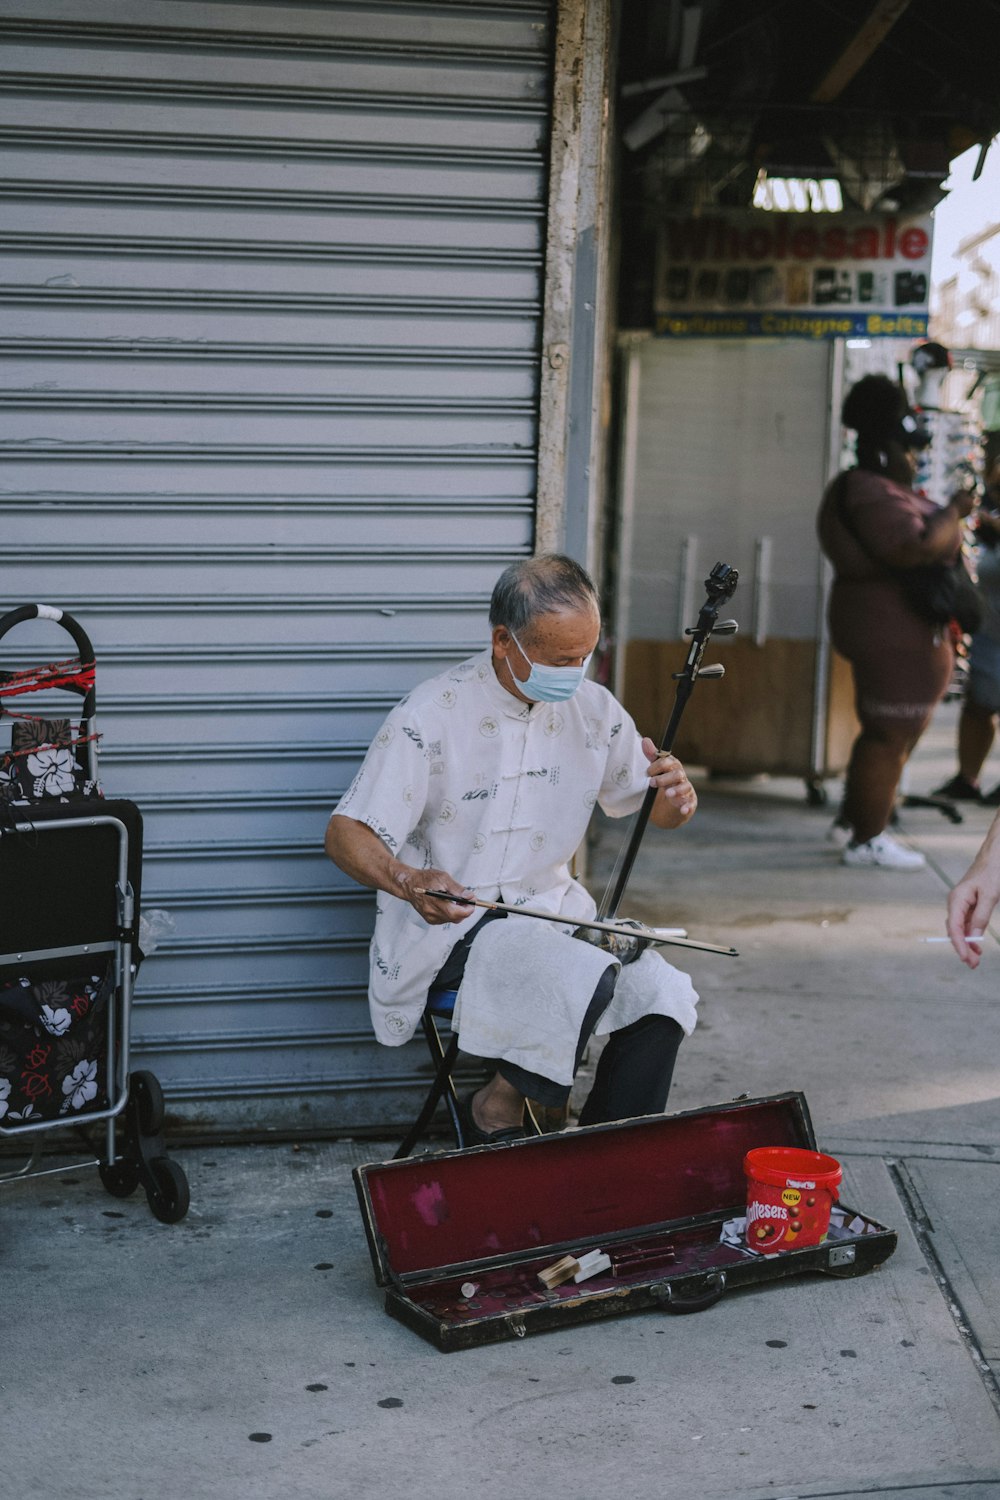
(883, 852)
(839, 835)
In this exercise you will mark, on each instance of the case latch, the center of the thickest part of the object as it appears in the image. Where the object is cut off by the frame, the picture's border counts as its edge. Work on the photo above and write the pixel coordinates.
(515, 1322)
(841, 1255)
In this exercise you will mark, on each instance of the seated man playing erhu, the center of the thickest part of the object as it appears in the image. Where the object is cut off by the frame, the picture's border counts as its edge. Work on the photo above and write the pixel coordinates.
(481, 783)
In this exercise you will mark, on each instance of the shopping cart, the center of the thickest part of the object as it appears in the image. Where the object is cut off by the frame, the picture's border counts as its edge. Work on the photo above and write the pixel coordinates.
(70, 887)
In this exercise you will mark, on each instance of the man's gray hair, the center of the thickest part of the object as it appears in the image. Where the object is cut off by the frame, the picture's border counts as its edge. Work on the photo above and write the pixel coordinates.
(538, 586)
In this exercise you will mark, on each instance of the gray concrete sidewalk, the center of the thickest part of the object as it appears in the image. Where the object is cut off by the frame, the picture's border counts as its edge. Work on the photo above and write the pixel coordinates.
(244, 1353)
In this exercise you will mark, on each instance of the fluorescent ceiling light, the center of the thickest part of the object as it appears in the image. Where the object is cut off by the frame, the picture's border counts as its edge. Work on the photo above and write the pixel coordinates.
(797, 195)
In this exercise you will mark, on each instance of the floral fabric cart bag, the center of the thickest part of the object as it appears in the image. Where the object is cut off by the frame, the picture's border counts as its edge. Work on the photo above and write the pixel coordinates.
(70, 914)
(53, 1031)
(53, 1047)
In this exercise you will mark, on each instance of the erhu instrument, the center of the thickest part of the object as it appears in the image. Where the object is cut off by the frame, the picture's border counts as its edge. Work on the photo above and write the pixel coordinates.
(720, 586)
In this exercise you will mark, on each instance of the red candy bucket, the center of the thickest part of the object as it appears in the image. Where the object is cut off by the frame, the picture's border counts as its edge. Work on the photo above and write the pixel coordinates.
(790, 1193)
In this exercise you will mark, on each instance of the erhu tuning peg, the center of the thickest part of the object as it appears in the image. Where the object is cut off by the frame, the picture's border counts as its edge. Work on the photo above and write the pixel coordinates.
(716, 670)
(724, 627)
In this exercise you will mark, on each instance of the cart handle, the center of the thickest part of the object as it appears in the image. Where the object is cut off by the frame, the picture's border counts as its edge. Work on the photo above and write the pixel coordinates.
(49, 612)
(85, 650)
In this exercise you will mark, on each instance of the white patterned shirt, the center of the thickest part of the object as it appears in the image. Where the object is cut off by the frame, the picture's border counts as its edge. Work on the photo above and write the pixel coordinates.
(464, 777)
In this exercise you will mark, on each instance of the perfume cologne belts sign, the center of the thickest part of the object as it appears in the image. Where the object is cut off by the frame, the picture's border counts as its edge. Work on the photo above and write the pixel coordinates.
(793, 275)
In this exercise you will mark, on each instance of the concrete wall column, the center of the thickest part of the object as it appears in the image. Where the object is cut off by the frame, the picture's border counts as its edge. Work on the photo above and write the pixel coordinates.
(572, 435)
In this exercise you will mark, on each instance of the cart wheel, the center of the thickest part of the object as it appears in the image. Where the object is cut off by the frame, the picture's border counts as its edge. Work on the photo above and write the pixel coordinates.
(171, 1199)
(148, 1096)
(816, 794)
(120, 1178)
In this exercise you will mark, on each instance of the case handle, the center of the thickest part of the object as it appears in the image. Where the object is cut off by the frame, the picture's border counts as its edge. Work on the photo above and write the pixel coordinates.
(663, 1293)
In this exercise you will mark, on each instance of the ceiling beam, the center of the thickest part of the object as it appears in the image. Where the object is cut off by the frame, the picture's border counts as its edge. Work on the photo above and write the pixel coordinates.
(885, 14)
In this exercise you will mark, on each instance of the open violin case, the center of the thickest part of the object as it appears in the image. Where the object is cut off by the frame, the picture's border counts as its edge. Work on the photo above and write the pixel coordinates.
(458, 1239)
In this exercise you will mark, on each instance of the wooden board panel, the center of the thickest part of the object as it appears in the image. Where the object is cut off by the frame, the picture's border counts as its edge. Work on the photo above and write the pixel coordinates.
(759, 718)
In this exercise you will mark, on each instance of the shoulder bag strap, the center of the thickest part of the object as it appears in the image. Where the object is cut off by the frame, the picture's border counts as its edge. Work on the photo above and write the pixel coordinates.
(840, 504)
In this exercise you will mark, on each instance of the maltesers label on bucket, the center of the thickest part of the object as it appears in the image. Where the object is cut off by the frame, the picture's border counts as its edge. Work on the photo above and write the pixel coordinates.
(792, 1212)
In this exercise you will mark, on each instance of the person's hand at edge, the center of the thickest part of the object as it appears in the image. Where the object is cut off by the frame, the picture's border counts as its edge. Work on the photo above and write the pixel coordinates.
(974, 899)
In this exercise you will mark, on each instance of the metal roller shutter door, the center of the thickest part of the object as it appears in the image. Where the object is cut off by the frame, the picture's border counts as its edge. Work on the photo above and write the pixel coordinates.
(271, 278)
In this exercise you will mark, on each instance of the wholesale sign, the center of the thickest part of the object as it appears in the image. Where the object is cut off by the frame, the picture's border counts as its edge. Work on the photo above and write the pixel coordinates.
(777, 275)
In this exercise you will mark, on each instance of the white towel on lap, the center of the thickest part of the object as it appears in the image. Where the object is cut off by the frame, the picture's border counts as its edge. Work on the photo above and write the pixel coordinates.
(650, 987)
(527, 986)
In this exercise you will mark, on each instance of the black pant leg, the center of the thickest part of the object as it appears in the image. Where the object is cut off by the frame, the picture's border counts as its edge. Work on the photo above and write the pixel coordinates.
(634, 1071)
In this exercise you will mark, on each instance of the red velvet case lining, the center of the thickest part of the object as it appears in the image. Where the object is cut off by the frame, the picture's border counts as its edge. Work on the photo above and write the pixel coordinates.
(578, 1188)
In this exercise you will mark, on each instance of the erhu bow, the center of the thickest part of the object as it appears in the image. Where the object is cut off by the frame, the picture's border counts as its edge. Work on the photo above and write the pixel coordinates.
(622, 932)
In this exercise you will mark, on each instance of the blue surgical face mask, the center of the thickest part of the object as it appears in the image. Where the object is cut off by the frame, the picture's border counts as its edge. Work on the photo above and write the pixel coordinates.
(549, 684)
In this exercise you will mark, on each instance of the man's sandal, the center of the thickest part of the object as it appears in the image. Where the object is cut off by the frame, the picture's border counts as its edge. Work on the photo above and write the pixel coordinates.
(474, 1136)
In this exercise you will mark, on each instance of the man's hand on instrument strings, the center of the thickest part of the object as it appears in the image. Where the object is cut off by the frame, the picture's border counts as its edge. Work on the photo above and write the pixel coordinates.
(677, 800)
(409, 885)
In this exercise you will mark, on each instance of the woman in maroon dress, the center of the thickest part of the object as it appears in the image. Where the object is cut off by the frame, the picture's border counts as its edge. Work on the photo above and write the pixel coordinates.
(872, 523)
